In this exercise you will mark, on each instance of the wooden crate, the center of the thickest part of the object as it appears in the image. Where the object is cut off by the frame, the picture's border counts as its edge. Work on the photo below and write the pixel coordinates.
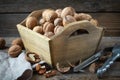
(64, 46)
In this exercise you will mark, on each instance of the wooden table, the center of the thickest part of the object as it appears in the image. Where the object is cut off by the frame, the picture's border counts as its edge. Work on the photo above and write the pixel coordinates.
(107, 12)
(112, 74)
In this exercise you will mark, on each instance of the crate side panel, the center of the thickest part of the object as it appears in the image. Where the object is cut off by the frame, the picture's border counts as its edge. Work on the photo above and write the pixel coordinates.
(35, 43)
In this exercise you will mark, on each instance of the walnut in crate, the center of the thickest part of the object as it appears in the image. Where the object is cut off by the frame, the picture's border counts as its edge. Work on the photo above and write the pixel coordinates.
(2, 43)
(31, 22)
(49, 34)
(38, 29)
(42, 21)
(58, 29)
(68, 19)
(49, 15)
(48, 27)
(14, 50)
(77, 17)
(67, 11)
(94, 22)
(84, 16)
(18, 41)
(58, 21)
(59, 11)
(60, 17)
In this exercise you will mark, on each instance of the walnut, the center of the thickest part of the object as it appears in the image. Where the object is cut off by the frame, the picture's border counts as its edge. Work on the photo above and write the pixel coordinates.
(94, 22)
(59, 11)
(14, 50)
(49, 15)
(2, 43)
(58, 29)
(18, 41)
(58, 21)
(48, 27)
(31, 22)
(83, 16)
(38, 29)
(67, 11)
(68, 19)
(42, 21)
(49, 34)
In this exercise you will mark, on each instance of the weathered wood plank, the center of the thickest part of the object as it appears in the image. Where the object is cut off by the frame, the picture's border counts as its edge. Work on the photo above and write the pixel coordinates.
(79, 5)
(110, 21)
(114, 32)
(106, 42)
(8, 24)
(59, 76)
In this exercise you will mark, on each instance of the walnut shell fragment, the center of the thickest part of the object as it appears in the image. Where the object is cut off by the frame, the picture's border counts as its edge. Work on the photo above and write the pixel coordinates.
(62, 70)
(92, 68)
(50, 73)
(32, 57)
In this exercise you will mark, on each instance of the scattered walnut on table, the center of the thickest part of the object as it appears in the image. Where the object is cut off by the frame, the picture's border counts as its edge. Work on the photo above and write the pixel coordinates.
(14, 50)
(2, 43)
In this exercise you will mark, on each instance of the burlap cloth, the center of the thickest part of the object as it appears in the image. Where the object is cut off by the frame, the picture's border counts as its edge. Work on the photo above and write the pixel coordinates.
(14, 68)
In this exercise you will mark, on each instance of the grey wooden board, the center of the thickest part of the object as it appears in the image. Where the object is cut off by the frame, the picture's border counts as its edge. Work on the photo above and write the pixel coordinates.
(8, 24)
(110, 21)
(111, 74)
(79, 5)
(105, 41)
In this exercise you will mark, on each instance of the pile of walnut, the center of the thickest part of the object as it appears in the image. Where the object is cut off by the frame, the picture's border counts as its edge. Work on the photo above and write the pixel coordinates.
(16, 46)
(54, 21)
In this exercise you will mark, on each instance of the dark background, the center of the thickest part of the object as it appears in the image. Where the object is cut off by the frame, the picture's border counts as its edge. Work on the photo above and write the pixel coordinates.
(12, 12)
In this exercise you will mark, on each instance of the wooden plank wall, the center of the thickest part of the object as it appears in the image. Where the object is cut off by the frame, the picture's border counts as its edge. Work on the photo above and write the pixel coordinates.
(107, 12)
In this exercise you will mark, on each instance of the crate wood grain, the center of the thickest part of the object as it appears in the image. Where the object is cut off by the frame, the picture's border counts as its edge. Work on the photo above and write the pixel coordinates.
(62, 47)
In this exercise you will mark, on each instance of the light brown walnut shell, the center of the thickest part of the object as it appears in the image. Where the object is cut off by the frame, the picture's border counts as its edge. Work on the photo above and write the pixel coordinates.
(31, 22)
(18, 41)
(67, 11)
(38, 29)
(49, 34)
(49, 15)
(14, 50)
(58, 11)
(58, 21)
(48, 27)
(68, 19)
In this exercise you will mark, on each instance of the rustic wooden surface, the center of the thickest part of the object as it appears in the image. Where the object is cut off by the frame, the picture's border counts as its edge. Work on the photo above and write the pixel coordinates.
(107, 12)
(110, 21)
(12, 12)
(111, 74)
(80, 5)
